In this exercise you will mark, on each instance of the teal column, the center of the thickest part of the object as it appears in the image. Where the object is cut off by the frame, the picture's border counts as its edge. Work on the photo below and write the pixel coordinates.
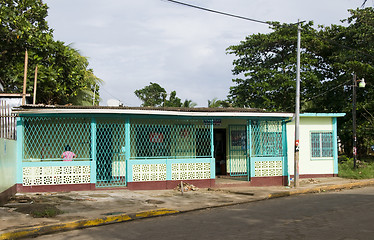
(335, 144)
(249, 151)
(285, 150)
(93, 150)
(213, 160)
(20, 147)
(128, 150)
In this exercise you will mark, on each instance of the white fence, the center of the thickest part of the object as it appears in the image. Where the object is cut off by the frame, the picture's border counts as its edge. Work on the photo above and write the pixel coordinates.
(7, 122)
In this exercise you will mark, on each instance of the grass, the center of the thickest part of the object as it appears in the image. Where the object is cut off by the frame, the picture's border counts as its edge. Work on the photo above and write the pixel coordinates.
(46, 213)
(38, 210)
(364, 170)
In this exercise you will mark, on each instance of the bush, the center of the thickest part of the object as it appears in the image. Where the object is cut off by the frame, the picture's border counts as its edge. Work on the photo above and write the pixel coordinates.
(364, 169)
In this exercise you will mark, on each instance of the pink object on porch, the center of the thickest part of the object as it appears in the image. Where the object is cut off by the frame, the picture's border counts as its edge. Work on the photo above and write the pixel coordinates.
(68, 156)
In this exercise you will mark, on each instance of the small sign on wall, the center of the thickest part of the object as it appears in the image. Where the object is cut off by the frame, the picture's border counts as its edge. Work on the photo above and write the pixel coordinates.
(156, 137)
(216, 122)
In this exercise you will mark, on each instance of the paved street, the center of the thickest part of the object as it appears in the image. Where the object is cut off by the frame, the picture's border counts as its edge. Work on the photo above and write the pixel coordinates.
(347, 214)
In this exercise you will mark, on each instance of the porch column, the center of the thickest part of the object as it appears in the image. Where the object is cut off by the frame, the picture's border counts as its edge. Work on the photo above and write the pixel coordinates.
(128, 150)
(20, 147)
(335, 144)
(285, 150)
(213, 160)
(93, 151)
(250, 168)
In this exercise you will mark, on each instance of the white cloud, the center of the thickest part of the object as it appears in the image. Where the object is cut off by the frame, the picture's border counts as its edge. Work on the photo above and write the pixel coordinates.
(132, 43)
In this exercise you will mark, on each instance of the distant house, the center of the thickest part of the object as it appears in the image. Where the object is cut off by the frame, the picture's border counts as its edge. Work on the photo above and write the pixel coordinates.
(14, 99)
(157, 148)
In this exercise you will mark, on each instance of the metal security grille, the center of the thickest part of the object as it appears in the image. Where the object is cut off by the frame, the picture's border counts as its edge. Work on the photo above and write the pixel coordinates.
(238, 150)
(165, 138)
(321, 144)
(110, 153)
(46, 138)
(266, 139)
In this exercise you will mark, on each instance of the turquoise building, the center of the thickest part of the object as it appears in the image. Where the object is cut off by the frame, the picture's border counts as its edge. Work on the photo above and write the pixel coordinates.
(157, 148)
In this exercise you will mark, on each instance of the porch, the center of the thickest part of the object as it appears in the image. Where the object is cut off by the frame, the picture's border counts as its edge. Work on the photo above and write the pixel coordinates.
(147, 152)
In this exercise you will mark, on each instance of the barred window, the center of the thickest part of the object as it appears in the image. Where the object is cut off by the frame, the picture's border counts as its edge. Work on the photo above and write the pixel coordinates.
(267, 139)
(166, 138)
(46, 138)
(322, 146)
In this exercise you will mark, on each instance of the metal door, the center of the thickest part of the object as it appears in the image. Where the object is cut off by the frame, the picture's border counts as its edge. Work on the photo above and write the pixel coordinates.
(238, 155)
(110, 155)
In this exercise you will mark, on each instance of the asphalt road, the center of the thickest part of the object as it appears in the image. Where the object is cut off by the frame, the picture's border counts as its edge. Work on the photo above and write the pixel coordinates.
(347, 214)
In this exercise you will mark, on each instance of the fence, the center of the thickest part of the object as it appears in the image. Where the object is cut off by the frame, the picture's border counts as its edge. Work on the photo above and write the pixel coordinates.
(7, 122)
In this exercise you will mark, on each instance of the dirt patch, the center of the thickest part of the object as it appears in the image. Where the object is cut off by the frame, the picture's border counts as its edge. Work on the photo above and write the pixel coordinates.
(39, 210)
(153, 201)
(99, 195)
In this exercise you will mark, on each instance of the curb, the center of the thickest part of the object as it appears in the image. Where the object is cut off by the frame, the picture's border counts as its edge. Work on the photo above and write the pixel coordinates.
(321, 189)
(41, 230)
(47, 229)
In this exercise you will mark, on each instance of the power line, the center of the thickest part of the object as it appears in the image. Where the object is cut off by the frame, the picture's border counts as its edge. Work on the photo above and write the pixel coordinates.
(219, 12)
(269, 23)
(101, 88)
(323, 93)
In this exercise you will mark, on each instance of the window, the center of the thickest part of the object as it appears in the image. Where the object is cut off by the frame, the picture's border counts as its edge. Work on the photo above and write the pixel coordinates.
(169, 138)
(322, 146)
(267, 139)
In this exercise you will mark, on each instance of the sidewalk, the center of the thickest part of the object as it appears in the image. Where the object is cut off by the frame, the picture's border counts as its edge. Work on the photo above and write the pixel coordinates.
(93, 208)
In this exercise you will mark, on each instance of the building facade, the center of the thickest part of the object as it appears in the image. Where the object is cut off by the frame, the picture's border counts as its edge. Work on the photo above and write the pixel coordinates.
(75, 148)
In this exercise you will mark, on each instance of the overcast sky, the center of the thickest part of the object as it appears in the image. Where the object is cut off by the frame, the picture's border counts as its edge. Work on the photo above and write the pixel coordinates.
(132, 43)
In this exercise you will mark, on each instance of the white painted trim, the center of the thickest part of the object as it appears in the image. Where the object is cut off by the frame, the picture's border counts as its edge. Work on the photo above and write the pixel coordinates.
(153, 112)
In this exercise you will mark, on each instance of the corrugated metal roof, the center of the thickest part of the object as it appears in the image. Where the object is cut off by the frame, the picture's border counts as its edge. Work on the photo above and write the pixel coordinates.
(177, 111)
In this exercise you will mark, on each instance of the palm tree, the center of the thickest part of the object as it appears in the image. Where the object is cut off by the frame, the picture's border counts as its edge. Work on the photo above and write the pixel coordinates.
(189, 104)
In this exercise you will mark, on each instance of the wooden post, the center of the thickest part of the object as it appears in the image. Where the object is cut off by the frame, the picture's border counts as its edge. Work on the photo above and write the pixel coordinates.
(8, 123)
(24, 80)
(35, 80)
(2, 120)
(94, 96)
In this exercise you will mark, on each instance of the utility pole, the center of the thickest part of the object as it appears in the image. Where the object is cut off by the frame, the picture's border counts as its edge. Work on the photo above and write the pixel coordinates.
(297, 109)
(354, 85)
(25, 79)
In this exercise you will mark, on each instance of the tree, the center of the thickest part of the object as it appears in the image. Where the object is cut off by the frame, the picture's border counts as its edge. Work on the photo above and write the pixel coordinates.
(63, 74)
(189, 104)
(173, 101)
(266, 68)
(215, 103)
(154, 95)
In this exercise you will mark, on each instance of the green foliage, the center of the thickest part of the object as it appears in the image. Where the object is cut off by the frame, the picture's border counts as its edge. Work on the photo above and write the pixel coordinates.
(189, 104)
(173, 101)
(215, 103)
(154, 95)
(267, 65)
(364, 169)
(266, 68)
(63, 74)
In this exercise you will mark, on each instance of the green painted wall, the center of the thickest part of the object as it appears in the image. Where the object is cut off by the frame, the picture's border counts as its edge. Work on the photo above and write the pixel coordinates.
(8, 162)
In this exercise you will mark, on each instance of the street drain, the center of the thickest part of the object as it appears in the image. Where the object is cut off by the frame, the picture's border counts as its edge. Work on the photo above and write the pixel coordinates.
(113, 213)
